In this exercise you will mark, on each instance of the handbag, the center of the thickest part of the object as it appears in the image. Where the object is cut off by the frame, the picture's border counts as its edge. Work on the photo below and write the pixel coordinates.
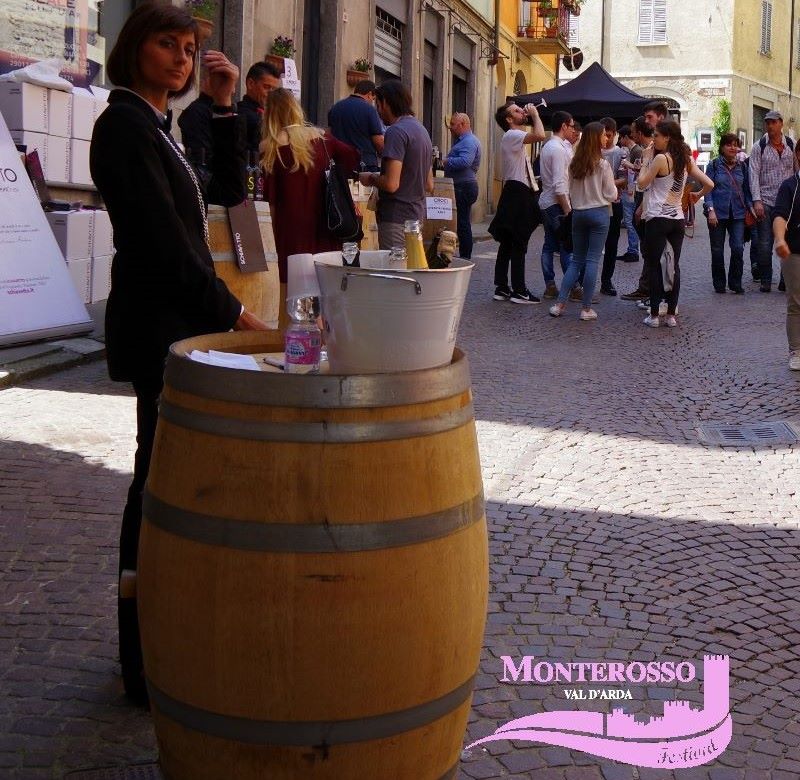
(564, 232)
(341, 219)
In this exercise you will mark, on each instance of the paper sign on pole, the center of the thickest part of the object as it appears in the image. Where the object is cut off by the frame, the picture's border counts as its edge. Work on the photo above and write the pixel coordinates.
(37, 296)
(439, 208)
(290, 79)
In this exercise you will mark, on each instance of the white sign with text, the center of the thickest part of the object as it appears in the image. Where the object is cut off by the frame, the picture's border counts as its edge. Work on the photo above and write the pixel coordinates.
(439, 208)
(37, 296)
(291, 80)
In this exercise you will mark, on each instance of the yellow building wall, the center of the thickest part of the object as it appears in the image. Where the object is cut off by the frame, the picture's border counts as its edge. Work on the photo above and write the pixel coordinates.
(772, 70)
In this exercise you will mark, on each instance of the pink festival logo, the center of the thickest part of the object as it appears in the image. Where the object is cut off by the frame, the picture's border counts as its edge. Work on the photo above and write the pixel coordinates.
(681, 737)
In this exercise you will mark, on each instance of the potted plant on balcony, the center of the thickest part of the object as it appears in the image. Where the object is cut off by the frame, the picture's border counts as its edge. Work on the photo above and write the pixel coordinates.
(282, 47)
(574, 6)
(359, 71)
(204, 12)
(545, 8)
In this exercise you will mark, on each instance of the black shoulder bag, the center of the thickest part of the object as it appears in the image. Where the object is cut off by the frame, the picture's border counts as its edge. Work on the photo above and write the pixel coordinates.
(340, 211)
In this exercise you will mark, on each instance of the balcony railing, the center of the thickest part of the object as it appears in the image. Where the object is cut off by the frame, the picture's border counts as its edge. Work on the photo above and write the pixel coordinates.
(543, 29)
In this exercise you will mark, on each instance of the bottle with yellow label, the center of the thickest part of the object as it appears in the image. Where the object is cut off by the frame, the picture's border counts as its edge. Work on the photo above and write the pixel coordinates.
(415, 251)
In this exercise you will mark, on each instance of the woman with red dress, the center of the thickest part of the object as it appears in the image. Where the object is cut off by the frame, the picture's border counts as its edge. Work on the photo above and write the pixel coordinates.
(294, 155)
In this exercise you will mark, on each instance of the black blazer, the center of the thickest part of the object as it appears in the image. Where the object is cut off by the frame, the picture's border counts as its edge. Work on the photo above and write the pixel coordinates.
(163, 285)
(254, 116)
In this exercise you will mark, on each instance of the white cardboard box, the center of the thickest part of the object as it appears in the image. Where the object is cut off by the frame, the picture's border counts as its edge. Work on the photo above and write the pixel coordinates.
(83, 113)
(80, 270)
(59, 113)
(72, 230)
(101, 278)
(58, 159)
(24, 106)
(79, 162)
(32, 141)
(102, 235)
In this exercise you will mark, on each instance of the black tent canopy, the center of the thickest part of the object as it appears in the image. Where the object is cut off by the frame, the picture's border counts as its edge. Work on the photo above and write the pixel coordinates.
(591, 95)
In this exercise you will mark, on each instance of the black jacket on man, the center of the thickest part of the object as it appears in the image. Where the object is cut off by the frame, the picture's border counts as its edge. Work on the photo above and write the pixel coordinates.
(195, 123)
(254, 114)
(163, 285)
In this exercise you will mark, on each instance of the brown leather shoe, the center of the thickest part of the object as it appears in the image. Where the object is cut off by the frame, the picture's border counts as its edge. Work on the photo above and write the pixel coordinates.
(576, 293)
(551, 291)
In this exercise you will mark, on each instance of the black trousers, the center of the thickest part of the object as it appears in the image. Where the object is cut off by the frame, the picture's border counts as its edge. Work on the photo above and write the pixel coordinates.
(659, 231)
(130, 650)
(516, 218)
(612, 239)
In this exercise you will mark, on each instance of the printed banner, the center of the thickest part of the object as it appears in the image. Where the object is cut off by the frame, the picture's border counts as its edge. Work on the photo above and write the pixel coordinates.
(37, 296)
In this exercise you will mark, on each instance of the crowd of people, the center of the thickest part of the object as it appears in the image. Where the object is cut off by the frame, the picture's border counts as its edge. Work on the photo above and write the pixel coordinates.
(164, 287)
(642, 176)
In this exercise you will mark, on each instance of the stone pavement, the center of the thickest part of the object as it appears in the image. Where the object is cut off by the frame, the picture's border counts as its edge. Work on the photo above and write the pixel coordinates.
(614, 533)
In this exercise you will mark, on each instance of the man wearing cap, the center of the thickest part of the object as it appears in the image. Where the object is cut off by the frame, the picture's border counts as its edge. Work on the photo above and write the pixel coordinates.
(772, 161)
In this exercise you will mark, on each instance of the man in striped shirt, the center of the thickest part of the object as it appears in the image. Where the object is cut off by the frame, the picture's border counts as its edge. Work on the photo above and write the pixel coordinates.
(771, 162)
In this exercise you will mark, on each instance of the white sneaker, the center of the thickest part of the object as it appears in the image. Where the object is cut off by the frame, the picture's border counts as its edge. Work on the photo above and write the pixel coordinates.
(671, 322)
(588, 314)
(651, 321)
(557, 309)
(794, 360)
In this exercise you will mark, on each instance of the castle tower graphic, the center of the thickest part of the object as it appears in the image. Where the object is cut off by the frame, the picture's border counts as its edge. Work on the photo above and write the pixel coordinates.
(680, 719)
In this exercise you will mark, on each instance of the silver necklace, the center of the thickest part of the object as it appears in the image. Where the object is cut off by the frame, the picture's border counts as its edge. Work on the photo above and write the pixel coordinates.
(200, 202)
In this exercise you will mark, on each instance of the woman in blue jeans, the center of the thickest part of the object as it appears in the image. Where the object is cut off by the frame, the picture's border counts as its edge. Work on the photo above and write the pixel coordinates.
(591, 193)
(725, 208)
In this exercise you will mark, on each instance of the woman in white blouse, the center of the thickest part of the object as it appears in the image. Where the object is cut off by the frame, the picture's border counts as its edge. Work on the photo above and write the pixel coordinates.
(591, 193)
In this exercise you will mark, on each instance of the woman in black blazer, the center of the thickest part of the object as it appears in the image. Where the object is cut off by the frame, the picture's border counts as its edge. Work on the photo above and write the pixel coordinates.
(163, 285)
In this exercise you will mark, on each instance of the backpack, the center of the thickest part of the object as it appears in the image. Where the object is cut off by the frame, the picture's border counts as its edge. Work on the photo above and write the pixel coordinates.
(762, 144)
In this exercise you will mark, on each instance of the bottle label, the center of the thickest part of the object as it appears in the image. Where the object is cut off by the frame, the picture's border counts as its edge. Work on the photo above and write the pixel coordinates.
(303, 348)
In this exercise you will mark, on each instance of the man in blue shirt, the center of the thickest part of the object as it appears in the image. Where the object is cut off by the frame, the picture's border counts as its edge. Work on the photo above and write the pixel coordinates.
(461, 164)
(355, 121)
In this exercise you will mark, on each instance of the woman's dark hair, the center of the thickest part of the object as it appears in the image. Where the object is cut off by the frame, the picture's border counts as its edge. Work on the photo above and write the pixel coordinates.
(676, 146)
(642, 127)
(729, 138)
(396, 96)
(122, 66)
(588, 152)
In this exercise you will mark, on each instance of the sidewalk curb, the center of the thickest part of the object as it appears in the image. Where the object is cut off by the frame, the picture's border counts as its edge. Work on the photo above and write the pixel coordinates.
(18, 371)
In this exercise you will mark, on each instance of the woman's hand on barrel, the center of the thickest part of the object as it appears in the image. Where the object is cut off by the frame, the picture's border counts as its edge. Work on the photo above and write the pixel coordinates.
(248, 321)
(223, 77)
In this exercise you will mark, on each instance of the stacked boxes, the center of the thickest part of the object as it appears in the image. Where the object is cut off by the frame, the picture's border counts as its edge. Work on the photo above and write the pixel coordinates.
(85, 240)
(58, 124)
(102, 254)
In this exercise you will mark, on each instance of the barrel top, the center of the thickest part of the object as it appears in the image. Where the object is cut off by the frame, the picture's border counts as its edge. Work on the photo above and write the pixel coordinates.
(264, 388)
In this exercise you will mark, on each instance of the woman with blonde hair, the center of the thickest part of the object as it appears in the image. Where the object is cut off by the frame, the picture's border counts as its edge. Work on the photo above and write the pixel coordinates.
(664, 181)
(591, 193)
(295, 155)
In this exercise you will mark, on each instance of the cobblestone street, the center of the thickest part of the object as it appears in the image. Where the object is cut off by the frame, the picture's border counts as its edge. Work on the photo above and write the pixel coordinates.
(615, 533)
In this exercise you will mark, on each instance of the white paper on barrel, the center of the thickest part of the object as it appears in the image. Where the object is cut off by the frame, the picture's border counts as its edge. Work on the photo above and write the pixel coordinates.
(37, 296)
(225, 359)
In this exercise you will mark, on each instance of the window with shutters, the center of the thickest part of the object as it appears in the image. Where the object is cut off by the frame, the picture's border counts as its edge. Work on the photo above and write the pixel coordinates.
(572, 38)
(766, 27)
(797, 44)
(652, 21)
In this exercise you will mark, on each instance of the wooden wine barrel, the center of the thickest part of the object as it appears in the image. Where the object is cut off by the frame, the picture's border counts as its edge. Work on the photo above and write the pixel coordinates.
(258, 291)
(442, 188)
(312, 570)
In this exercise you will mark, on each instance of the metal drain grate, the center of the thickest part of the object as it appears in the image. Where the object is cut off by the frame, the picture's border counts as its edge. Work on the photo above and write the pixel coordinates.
(748, 434)
(135, 772)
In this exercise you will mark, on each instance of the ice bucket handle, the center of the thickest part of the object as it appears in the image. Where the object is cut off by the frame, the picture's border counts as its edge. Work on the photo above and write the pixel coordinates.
(417, 285)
